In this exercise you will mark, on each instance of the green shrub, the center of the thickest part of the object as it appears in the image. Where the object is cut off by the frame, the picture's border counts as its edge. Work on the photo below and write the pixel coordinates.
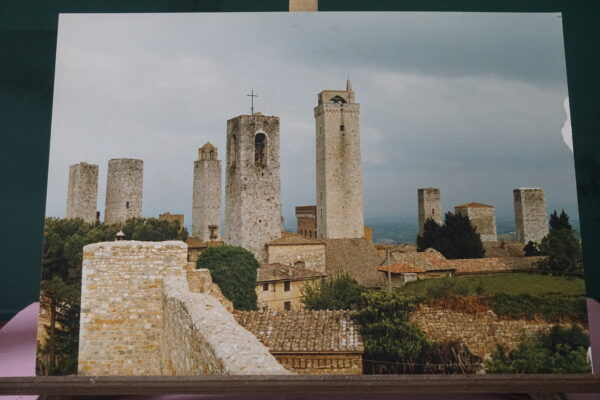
(233, 269)
(560, 350)
(553, 308)
(341, 293)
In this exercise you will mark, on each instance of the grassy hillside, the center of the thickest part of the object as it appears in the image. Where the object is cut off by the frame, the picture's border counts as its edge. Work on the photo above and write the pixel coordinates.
(515, 283)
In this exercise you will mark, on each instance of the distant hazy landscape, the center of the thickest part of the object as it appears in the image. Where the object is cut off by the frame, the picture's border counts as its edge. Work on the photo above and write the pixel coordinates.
(404, 229)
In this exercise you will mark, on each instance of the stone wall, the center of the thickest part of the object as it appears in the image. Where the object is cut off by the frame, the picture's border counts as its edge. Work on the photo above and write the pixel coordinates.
(202, 338)
(313, 255)
(124, 187)
(339, 175)
(145, 311)
(531, 217)
(429, 205)
(480, 332)
(206, 207)
(252, 193)
(82, 193)
(321, 363)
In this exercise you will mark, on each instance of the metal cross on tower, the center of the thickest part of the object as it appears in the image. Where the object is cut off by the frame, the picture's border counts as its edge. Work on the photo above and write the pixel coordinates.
(252, 96)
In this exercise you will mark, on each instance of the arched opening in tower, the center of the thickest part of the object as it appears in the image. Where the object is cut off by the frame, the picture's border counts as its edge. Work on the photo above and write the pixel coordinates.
(260, 147)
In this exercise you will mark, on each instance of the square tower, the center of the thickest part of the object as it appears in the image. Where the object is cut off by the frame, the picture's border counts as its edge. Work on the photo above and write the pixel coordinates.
(430, 206)
(82, 194)
(531, 218)
(206, 212)
(253, 183)
(124, 185)
(339, 174)
(482, 217)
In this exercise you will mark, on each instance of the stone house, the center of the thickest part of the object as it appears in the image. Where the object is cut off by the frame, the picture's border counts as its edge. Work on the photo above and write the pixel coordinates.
(296, 250)
(308, 342)
(483, 218)
(279, 286)
(196, 246)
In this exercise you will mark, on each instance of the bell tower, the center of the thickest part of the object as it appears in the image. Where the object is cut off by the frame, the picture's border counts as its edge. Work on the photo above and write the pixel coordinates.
(253, 186)
(339, 174)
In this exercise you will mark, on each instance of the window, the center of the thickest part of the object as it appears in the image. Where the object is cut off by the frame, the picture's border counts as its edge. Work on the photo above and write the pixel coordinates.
(233, 150)
(265, 308)
(127, 205)
(260, 144)
(299, 264)
(287, 306)
(265, 287)
(212, 155)
(286, 286)
(342, 128)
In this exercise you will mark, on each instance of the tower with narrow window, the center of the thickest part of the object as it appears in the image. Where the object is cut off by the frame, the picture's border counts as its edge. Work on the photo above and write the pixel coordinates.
(124, 185)
(206, 202)
(430, 206)
(339, 175)
(253, 184)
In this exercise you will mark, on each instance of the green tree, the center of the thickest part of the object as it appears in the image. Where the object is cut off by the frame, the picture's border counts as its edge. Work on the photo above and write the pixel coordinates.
(456, 238)
(340, 293)
(392, 343)
(560, 350)
(233, 269)
(58, 354)
(153, 230)
(531, 249)
(561, 248)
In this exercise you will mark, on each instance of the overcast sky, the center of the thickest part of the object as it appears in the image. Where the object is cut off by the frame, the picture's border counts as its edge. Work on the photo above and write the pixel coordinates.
(470, 103)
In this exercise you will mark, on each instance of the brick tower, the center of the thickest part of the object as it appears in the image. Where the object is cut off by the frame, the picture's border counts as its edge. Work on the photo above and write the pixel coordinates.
(531, 218)
(206, 212)
(253, 184)
(430, 206)
(82, 194)
(339, 176)
(124, 186)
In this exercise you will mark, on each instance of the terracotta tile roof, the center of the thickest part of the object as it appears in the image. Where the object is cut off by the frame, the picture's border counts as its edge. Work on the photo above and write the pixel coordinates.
(429, 259)
(396, 247)
(289, 238)
(357, 258)
(473, 205)
(401, 268)
(281, 272)
(491, 265)
(193, 242)
(324, 331)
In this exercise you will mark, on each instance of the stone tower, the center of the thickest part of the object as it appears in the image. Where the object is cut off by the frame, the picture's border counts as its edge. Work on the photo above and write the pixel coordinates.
(253, 184)
(430, 206)
(124, 186)
(482, 217)
(531, 218)
(339, 176)
(206, 213)
(82, 194)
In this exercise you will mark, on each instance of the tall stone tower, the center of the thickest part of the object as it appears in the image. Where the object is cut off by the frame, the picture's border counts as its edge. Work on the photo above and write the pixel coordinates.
(206, 212)
(430, 206)
(531, 218)
(339, 176)
(482, 217)
(82, 194)
(253, 184)
(124, 186)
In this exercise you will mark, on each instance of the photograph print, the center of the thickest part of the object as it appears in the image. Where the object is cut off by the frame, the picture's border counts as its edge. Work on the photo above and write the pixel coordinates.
(311, 194)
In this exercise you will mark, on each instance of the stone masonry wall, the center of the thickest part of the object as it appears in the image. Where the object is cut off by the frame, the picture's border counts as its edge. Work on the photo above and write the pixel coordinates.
(82, 193)
(531, 217)
(206, 198)
(202, 338)
(480, 332)
(121, 305)
(252, 194)
(124, 187)
(145, 311)
(339, 174)
(429, 205)
(313, 255)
